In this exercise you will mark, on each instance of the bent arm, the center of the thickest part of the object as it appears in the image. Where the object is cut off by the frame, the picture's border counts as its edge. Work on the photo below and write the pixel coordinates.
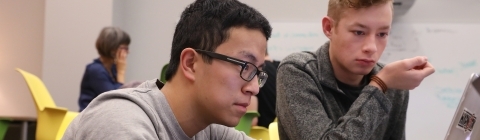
(301, 113)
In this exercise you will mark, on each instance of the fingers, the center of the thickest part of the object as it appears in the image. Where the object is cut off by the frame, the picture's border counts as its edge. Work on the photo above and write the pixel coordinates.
(118, 53)
(124, 53)
(121, 56)
(415, 62)
(428, 69)
(419, 74)
(121, 53)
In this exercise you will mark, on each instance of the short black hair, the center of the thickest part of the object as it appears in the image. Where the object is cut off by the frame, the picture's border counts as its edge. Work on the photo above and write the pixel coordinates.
(205, 24)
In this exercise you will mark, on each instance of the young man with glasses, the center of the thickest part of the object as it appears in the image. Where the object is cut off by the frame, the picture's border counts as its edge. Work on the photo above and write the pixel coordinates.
(217, 50)
(340, 91)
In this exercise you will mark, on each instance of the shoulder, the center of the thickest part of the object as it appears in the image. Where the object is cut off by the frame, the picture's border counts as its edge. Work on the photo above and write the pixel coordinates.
(299, 59)
(128, 98)
(113, 113)
(121, 103)
(95, 67)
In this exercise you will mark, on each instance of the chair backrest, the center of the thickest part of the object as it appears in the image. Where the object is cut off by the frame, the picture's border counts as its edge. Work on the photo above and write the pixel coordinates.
(66, 121)
(273, 131)
(3, 128)
(245, 123)
(259, 133)
(39, 92)
(163, 73)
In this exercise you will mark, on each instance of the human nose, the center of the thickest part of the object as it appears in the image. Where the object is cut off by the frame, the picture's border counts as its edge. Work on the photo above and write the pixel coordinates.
(370, 45)
(252, 87)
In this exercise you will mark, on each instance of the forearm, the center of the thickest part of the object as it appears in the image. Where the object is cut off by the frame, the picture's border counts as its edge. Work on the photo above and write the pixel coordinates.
(367, 113)
(308, 121)
(307, 112)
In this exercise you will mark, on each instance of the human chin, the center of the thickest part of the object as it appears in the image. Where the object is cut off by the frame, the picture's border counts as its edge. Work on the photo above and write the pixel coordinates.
(362, 70)
(231, 121)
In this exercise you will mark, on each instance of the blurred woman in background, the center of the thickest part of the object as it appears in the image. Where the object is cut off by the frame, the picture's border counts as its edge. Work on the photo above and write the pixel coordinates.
(108, 71)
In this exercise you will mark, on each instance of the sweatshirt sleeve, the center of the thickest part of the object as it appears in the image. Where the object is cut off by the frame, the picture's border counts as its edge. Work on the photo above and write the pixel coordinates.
(400, 121)
(302, 115)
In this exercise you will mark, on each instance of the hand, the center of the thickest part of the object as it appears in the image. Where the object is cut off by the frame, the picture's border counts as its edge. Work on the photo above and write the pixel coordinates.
(121, 59)
(406, 74)
(121, 64)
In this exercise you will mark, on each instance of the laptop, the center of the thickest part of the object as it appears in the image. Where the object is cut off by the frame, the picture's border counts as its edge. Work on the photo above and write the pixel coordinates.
(464, 125)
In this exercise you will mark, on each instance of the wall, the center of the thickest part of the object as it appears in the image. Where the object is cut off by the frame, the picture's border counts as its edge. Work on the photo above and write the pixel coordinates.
(21, 46)
(442, 11)
(151, 23)
(71, 29)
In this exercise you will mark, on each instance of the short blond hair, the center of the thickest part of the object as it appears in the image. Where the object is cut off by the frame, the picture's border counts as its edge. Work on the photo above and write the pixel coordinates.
(337, 7)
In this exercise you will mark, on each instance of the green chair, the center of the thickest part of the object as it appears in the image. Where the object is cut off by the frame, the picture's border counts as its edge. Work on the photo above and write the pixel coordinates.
(245, 123)
(164, 71)
(3, 128)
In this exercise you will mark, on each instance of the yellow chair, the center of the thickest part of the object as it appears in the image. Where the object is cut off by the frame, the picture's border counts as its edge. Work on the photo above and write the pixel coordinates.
(273, 131)
(51, 120)
(259, 133)
(245, 123)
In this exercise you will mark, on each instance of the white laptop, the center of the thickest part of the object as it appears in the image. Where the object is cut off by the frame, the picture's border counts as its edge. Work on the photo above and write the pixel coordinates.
(464, 125)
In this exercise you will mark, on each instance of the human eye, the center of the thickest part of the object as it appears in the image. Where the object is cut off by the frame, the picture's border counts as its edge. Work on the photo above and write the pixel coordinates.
(247, 67)
(357, 32)
(383, 35)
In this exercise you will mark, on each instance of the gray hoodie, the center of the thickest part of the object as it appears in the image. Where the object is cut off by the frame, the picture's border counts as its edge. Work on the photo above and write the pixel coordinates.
(141, 113)
(307, 108)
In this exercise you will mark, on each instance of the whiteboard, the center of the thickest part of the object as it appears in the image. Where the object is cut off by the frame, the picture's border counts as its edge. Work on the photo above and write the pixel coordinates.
(453, 49)
(294, 37)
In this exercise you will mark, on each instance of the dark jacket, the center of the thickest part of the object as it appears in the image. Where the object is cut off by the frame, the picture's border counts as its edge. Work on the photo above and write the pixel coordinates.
(268, 95)
(309, 107)
(95, 81)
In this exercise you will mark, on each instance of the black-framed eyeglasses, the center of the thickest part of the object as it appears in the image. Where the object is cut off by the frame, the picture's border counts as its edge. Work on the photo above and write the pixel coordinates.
(249, 70)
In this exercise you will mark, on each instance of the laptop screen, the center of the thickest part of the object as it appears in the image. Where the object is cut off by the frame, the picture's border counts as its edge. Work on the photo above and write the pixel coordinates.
(464, 125)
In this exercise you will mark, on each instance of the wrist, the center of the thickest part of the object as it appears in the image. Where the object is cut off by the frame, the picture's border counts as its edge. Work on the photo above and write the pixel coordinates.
(379, 83)
(120, 79)
(120, 71)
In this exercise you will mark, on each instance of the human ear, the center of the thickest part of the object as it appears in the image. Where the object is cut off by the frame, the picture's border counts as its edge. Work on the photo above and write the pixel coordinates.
(188, 59)
(327, 26)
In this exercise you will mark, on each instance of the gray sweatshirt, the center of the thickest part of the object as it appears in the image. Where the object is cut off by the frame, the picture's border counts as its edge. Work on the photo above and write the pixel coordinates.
(141, 113)
(307, 108)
